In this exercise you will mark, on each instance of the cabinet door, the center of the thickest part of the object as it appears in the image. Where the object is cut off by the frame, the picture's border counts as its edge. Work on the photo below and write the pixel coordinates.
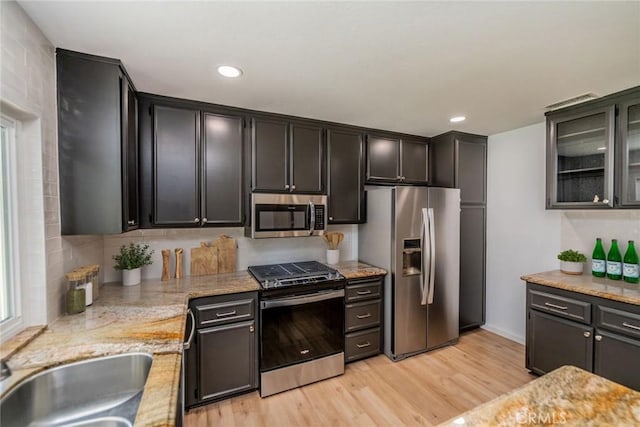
(346, 191)
(306, 166)
(471, 171)
(630, 154)
(616, 358)
(227, 360)
(580, 159)
(176, 172)
(472, 266)
(553, 342)
(383, 155)
(131, 211)
(413, 162)
(222, 168)
(269, 155)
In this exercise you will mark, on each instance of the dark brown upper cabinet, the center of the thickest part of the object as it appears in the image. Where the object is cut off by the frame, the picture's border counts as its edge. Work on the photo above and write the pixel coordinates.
(97, 145)
(176, 189)
(191, 164)
(287, 156)
(346, 178)
(459, 160)
(593, 154)
(629, 163)
(395, 160)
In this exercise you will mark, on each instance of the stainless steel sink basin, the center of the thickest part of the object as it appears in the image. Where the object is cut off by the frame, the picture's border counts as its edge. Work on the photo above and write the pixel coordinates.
(101, 392)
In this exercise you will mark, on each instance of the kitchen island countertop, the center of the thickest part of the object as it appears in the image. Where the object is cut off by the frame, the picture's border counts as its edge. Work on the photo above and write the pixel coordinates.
(149, 318)
(567, 396)
(616, 290)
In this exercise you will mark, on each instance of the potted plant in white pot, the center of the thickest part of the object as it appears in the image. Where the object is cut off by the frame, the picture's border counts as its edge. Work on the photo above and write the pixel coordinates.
(571, 262)
(130, 260)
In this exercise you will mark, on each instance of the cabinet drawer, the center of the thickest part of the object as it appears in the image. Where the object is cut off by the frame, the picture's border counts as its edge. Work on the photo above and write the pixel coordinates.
(362, 315)
(359, 345)
(618, 321)
(569, 308)
(223, 312)
(361, 291)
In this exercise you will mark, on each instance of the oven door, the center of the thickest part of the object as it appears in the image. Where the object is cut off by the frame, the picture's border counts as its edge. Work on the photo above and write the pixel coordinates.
(300, 328)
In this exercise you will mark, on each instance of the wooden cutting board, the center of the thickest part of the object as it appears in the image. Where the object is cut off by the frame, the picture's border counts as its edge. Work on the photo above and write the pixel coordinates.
(204, 260)
(227, 253)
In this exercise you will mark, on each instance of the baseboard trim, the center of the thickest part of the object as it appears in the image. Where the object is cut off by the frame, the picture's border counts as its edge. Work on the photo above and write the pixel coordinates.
(505, 334)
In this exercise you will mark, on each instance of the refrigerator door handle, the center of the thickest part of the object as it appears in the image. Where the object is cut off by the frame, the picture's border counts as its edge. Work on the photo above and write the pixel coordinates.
(426, 258)
(432, 255)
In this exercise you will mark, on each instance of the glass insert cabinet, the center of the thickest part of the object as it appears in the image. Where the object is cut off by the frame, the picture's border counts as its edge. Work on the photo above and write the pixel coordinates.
(593, 154)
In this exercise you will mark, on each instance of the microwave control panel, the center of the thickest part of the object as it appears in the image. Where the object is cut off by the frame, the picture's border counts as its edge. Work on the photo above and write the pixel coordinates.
(319, 217)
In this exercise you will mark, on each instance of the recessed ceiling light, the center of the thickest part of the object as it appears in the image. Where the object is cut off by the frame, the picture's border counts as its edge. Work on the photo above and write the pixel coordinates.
(229, 71)
(457, 119)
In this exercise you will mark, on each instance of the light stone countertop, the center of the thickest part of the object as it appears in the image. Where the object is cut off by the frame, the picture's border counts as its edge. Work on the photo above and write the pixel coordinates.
(617, 290)
(567, 396)
(149, 318)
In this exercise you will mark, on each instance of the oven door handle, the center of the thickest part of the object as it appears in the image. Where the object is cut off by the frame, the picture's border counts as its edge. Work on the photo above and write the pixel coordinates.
(301, 299)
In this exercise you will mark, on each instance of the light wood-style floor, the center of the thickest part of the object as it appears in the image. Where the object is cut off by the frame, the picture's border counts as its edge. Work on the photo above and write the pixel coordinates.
(422, 390)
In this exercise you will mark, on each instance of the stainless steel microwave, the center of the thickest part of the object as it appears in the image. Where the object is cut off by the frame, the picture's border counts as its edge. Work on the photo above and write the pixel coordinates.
(287, 215)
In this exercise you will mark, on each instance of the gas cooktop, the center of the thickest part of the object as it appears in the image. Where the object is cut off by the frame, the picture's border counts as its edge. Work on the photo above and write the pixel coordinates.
(293, 274)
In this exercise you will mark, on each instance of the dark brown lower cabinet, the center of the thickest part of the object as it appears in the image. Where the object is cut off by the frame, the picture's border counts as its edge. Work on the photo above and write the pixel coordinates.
(596, 334)
(555, 342)
(221, 359)
(363, 318)
(616, 358)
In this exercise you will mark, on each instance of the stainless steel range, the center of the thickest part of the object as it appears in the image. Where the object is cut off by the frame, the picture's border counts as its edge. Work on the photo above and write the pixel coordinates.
(301, 324)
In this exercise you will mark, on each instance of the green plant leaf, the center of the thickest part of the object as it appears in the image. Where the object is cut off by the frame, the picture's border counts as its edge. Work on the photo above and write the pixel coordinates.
(572, 256)
(133, 256)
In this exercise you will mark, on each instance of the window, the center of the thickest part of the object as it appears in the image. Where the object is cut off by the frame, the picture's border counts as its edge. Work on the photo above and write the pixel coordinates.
(10, 308)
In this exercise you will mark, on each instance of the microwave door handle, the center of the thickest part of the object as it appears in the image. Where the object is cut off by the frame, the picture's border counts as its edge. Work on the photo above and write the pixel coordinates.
(426, 256)
(312, 220)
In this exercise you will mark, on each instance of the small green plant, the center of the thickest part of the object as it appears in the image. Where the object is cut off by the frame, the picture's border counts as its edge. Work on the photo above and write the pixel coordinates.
(133, 256)
(572, 256)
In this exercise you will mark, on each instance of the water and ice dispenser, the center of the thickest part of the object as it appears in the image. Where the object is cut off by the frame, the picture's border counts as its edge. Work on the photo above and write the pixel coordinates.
(411, 257)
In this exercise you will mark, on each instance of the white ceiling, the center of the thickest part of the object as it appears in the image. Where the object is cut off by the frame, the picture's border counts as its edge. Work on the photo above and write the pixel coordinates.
(403, 66)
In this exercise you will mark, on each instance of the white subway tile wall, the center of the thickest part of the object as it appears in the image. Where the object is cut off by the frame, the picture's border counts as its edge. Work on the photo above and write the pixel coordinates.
(250, 251)
(28, 90)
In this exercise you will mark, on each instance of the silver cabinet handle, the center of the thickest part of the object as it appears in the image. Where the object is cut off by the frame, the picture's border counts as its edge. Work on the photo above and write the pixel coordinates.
(196, 220)
(587, 334)
(187, 345)
(398, 177)
(363, 316)
(367, 292)
(293, 187)
(330, 218)
(251, 328)
(559, 307)
(204, 220)
(286, 186)
(131, 222)
(598, 337)
(365, 345)
(630, 326)
(403, 178)
(227, 314)
(304, 351)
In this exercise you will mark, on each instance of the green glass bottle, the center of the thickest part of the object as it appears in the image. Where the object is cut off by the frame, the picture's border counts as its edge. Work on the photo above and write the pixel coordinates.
(630, 268)
(599, 260)
(614, 262)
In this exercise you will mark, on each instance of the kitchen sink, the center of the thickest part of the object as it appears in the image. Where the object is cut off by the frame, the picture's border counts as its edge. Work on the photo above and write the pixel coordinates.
(100, 392)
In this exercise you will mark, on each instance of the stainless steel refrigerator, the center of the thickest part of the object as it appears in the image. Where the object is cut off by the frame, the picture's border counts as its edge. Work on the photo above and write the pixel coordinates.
(414, 233)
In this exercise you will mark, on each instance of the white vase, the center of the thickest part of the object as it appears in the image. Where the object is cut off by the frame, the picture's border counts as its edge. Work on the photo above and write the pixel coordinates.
(131, 277)
(333, 256)
(569, 267)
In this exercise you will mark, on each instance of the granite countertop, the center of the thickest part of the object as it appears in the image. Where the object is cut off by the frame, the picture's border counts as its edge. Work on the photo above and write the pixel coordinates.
(567, 396)
(149, 318)
(617, 290)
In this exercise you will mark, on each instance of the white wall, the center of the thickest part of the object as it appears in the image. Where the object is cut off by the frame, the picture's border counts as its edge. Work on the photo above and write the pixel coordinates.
(522, 237)
(250, 251)
(580, 229)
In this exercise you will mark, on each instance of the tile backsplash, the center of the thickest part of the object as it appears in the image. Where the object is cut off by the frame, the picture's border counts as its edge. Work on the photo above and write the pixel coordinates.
(579, 229)
(250, 251)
